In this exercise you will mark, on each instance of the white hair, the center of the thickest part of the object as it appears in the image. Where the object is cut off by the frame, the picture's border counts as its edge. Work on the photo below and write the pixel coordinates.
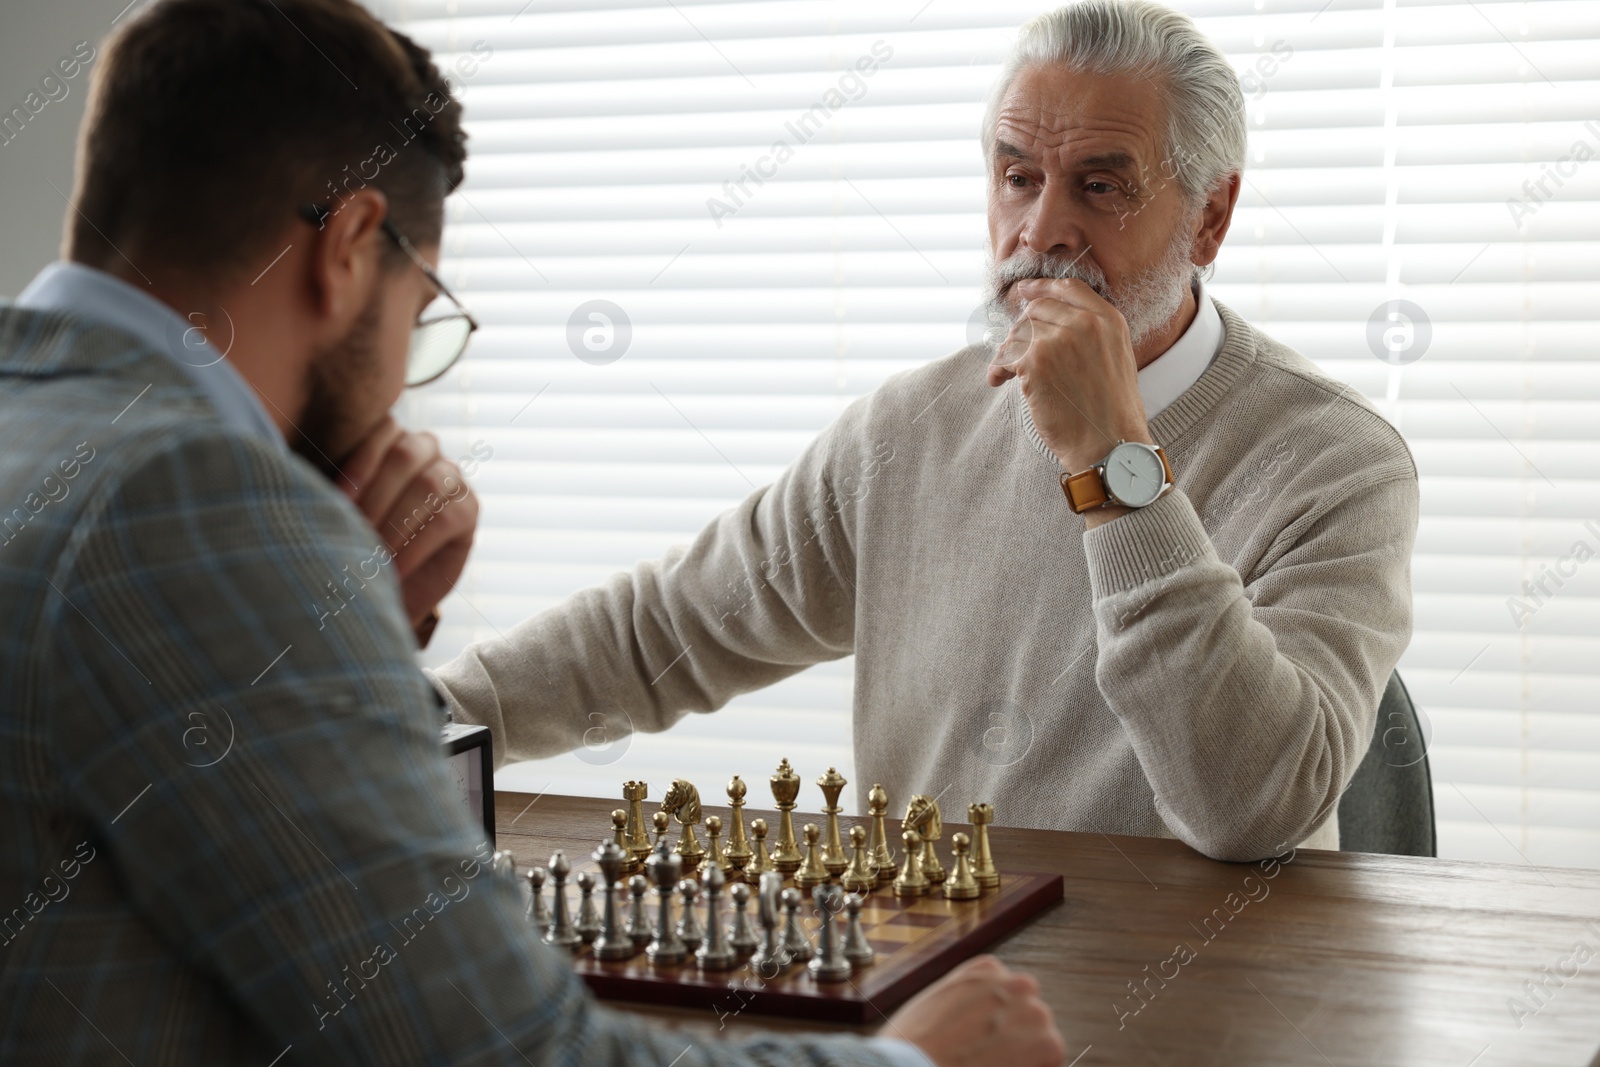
(1205, 140)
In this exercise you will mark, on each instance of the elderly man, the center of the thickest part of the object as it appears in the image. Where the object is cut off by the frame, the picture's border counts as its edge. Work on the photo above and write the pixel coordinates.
(1136, 567)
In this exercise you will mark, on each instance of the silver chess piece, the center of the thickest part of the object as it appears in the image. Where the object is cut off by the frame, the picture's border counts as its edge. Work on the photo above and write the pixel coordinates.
(503, 866)
(742, 938)
(769, 958)
(795, 944)
(538, 917)
(613, 942)
(561, 933)
(663, 868)
(829, 964)
(588, 924)
(688, 928)
(856, 947)
(638, 927)
(715, 954)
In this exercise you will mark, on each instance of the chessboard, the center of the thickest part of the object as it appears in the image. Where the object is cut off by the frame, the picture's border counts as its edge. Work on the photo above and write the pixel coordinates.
(916, 939)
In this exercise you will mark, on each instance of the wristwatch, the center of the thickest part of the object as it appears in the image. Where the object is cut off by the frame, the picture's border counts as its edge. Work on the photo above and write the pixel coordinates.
(1133, 475)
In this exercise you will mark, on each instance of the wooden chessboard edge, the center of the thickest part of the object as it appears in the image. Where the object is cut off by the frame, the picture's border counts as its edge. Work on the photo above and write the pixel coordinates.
(842, 1002)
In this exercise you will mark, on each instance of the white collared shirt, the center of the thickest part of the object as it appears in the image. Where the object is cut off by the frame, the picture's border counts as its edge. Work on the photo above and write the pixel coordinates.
(82, 290)
(1170, 374)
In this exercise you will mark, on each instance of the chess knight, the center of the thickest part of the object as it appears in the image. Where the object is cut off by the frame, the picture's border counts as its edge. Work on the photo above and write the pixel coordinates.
(682, 802)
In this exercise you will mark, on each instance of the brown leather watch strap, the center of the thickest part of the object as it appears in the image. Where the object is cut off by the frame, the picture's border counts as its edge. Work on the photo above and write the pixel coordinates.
(1086, 490)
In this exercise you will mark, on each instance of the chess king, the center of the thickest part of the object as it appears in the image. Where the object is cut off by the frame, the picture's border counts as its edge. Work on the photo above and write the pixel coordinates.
(1126, 555)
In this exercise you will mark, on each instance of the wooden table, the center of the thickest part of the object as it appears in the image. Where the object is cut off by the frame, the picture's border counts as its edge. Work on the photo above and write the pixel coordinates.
(1338, 958)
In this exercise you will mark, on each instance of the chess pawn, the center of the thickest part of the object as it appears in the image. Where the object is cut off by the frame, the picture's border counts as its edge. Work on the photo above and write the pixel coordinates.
(795, 944)
(962, 885)
(785, 788)
(910, 882)
(811, 872)
(663, 868)
(562, 933)
(932, 869)
(714, 844)
(983, 868)
(857, 949)
(613, 942)
(619, 836)
(538, 917)
(638, 928)
(742, 938)
(760, 862)
(688, 928)
(715, 953)
(661, 821)
(637, 841)
(878, 851)
(859, 875)
(588, 924)
(829, 964)
(737, 851)
(833, 854)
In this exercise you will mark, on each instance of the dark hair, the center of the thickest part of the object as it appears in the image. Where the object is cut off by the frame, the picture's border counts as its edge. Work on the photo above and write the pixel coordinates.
(211, 121)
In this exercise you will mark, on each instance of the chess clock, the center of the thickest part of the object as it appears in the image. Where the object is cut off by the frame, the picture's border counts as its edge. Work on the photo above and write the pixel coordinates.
(469, 754)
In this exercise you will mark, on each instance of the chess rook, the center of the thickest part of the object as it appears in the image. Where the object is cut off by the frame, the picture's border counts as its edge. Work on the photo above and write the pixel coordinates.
(983, 868)
(637, 841)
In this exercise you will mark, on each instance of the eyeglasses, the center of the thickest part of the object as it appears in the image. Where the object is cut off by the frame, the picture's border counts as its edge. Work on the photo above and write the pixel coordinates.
(438, 339)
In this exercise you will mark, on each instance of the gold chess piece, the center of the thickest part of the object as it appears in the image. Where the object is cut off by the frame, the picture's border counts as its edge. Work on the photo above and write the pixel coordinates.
(859, 875)
(714, 844)
(682, 802)
(983, 868)
(660, 820)
(785, 788)
(878, 852)
(638, 841)
(910, 882)
(619, 837)
(833, 853)
(760, 863)
(922, 814)
(813, 871)
(737, 850)
(961, 886)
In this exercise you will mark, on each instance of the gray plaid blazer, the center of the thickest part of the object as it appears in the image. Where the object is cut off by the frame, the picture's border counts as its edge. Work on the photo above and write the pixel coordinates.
(228, 832)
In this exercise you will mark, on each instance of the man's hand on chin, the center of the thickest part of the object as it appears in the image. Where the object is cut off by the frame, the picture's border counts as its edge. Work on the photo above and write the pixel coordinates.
(1070, 353)
(421, 506)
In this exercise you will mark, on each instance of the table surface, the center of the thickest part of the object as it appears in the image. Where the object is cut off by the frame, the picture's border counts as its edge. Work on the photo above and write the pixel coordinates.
(1340, 958)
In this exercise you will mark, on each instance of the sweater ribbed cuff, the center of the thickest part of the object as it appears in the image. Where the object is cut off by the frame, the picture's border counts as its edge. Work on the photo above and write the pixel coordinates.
(1144, 545)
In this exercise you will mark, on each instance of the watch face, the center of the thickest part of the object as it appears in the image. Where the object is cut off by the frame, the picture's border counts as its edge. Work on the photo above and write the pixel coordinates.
(1134, 474)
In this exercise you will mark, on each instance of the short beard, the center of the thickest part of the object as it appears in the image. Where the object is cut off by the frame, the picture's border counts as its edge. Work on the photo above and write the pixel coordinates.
(330, 422)
(1147, 300)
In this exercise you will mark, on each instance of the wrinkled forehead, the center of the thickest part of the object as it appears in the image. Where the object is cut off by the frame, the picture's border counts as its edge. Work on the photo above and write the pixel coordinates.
(1061, 119)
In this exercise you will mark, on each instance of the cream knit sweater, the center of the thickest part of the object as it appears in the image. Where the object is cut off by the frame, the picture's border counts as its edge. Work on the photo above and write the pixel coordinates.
(1207, 668)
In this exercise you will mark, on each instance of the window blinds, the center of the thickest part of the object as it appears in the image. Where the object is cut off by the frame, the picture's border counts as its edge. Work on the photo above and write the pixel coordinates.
(674, 305)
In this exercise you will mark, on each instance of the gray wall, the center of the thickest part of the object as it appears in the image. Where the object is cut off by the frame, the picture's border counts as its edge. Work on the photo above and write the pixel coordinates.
(34, 36)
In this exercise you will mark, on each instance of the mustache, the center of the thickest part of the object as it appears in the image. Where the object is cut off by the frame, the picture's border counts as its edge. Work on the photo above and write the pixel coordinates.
(1024, 264)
